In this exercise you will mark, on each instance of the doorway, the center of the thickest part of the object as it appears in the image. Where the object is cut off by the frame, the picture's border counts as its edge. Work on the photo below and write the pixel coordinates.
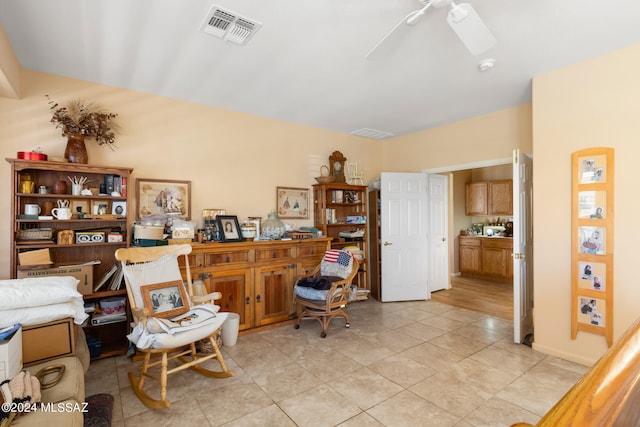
(492, 298)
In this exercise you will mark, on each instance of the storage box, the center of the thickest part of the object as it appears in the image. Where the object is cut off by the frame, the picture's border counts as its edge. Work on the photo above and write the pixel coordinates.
(84, 273)
(148, 232)
(89, 236)
(11, 355)
(46, 341)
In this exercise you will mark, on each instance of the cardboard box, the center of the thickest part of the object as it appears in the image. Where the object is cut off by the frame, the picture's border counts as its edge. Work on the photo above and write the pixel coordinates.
(11, 355)
(46, 341)
(84, 273)
(148, 232)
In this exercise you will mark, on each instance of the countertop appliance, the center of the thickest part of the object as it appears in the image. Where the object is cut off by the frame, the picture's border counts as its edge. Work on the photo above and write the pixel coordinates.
(493, 230)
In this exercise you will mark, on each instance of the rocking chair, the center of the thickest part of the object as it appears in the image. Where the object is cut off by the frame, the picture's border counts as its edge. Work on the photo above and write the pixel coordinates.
(169, 321)
(325, 292)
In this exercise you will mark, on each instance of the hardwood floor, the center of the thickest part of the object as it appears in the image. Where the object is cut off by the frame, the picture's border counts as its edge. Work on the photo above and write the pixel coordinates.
(487, 297)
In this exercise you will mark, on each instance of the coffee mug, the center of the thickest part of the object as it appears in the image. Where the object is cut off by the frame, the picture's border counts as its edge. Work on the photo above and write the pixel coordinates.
(61, 213)
(46, 208)
(31, 209)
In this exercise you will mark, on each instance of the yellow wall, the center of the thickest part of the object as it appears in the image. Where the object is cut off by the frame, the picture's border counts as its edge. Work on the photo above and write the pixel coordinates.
(592, 104)
(235, 161)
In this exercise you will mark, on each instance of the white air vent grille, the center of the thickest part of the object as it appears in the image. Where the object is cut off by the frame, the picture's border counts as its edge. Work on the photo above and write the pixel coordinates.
(371, 134)
(229, 26)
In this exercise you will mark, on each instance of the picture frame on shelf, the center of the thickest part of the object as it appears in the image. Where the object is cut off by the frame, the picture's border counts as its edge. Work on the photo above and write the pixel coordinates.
(292, 202)
(229, 228)
(119, 208)
(166, 299)
(161, 196)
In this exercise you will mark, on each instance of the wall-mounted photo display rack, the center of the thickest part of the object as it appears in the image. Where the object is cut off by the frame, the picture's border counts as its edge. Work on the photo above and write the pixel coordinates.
(592, 242)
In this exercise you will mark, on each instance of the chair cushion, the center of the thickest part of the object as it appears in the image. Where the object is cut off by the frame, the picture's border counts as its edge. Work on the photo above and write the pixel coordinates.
(144, 338)
(310, 293)
(164, 269)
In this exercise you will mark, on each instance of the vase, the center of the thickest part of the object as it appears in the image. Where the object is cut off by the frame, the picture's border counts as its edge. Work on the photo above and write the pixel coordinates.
(272, 227)
(76, 151)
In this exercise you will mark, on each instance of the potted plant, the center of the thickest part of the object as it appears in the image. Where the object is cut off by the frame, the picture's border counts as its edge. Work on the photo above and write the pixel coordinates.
(79, 120)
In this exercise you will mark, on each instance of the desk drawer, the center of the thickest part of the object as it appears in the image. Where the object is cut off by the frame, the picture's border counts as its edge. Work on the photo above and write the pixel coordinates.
(312, 250)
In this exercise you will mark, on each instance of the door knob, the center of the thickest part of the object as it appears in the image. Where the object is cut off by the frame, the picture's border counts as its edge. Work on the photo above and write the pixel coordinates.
(518, 256)
(387, 243)
(444, 239)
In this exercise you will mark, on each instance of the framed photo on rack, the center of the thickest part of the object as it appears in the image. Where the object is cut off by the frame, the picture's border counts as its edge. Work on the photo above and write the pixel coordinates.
(161, 196)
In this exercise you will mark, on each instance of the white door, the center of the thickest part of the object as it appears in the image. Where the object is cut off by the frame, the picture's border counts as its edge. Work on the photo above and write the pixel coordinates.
(522, 247)
(438, 232)
(403, 236)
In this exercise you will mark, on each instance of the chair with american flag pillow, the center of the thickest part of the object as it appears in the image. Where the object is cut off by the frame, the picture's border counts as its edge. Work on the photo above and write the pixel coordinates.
(324, 293)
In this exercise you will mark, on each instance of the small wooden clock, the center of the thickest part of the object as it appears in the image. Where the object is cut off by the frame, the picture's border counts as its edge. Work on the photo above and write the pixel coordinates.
(336, 166)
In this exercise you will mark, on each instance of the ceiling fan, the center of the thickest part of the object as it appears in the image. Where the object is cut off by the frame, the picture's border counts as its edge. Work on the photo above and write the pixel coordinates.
(462, 18)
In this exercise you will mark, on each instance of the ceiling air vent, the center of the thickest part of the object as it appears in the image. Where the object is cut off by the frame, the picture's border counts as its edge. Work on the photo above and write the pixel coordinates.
(229, 26)
(371, 133)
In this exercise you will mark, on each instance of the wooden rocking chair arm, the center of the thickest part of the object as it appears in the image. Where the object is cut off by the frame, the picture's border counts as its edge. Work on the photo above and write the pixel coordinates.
(202, 299)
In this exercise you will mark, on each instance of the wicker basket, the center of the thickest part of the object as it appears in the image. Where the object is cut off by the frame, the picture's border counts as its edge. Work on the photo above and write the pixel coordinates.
(34, 234)
(324, 179)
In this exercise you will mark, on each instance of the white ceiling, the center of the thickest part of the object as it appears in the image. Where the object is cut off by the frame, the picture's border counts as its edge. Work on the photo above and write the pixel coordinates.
(306, 64)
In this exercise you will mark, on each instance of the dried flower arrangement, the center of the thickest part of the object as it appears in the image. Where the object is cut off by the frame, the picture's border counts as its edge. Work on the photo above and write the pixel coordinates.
(87, 119)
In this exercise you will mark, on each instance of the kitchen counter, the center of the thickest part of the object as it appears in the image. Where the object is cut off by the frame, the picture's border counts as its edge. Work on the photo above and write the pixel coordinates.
(487, 257)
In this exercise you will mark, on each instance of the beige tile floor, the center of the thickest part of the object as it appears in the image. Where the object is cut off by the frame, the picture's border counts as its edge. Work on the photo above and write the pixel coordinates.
(410, 363)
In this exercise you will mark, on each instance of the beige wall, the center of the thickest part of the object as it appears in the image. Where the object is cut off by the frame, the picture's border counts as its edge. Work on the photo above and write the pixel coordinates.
(483, 138)
(591, 104)
(235, 161)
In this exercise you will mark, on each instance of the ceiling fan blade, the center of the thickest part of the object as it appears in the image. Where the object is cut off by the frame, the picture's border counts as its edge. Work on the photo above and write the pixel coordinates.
(381, 49)
(470, 28)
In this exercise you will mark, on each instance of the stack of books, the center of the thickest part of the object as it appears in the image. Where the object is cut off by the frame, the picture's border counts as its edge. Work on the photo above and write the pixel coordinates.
(112, 280)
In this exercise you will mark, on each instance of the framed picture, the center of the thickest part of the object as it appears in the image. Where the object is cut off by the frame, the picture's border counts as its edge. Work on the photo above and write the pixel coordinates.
(229, 228)
(292, 202)
(592, 240)
(592, 204)
(593, 169)
(592, 311)
(99, 207)
(166, 299)
(160, 196)
(592, 275)
(119, 208)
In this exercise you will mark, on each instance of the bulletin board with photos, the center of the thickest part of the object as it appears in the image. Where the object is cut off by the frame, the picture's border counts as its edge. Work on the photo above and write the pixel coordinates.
(592, 242)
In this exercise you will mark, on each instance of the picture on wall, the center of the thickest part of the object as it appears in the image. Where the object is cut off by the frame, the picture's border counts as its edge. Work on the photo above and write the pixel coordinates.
(160, 196)
(592, 240)
(593, 169)
(292, 202)
(592, 275)
(591, 204)
(592, 311)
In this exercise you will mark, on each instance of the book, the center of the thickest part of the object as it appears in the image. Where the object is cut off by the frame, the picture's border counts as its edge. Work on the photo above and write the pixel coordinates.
(117, 279)
(105, 277)
(109, 183)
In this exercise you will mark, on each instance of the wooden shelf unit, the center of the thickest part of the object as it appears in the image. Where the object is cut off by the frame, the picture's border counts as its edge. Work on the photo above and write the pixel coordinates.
(333, 204)
(45, 173)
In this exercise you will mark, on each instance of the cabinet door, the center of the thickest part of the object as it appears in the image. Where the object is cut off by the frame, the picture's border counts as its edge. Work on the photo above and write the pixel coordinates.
(235, 287)
(273, 297)
(470, 259)
(501, 197)
(494, 261)
(476, 199)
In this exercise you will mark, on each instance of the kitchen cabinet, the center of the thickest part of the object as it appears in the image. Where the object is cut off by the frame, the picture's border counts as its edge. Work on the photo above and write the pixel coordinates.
(501, 197)
(476, 199)
(489, 198)
(470, 259)
(340, 208)
(94, 237)
(256, 279)
(486, 257)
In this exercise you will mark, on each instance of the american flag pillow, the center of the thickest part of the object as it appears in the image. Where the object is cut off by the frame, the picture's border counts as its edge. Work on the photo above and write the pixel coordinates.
(342, 257)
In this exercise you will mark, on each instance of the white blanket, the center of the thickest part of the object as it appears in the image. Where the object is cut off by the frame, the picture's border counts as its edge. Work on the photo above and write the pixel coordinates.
(40, 299)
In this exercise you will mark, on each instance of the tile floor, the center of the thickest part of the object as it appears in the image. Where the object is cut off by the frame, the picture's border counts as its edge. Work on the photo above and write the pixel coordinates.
(411, 363)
